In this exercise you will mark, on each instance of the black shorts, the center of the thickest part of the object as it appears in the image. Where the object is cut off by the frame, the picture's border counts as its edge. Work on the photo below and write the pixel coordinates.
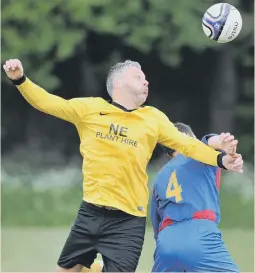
(116, 235)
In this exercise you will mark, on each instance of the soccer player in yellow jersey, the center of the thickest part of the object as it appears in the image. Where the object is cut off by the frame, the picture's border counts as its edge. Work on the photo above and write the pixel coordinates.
(116, 142)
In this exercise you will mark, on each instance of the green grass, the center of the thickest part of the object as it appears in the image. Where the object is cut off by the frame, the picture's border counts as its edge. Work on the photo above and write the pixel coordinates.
(37, 249)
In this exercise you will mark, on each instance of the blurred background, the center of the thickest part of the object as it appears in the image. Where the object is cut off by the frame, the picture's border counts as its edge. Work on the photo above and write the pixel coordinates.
(67, 47)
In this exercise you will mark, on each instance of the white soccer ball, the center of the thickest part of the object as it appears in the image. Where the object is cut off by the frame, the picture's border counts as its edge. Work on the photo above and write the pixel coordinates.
(222, 23)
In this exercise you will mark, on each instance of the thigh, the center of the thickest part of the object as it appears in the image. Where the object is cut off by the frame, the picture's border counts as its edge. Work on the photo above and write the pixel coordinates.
(163, 263)
(167, 255)
(214, 256)
(121, 241)
(80, 246)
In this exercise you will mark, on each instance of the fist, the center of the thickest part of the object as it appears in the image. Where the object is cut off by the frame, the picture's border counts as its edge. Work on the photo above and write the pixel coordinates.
(14, 69)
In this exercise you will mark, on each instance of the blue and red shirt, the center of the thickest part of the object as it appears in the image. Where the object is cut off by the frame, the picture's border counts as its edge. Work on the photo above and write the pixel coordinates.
(185, 189)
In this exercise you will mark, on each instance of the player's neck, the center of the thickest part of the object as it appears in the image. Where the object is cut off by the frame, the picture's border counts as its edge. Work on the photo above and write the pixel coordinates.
(128, 104)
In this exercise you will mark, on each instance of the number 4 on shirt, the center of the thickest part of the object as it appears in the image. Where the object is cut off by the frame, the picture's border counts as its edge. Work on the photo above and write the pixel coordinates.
(173, 188)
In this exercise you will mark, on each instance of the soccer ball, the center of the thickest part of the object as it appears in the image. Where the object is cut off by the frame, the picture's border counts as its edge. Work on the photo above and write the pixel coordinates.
(222, 23)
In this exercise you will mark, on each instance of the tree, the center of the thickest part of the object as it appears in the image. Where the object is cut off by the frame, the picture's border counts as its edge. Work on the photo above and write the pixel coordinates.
(42, 33)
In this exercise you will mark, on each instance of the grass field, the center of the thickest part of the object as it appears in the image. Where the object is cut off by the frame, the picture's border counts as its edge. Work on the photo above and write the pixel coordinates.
(37, 249)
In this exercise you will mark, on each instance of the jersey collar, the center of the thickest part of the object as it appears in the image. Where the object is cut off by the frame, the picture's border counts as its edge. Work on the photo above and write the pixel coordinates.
(121, 107)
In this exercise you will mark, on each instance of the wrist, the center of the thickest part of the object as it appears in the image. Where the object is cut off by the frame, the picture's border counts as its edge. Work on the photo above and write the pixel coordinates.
(20, 80)
(220, 160)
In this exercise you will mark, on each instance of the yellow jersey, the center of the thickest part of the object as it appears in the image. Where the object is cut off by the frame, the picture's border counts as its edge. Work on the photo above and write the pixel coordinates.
(116, 145)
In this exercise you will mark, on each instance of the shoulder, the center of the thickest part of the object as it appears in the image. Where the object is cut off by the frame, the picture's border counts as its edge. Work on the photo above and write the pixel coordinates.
(152, 109)
(164, 173)
(96, 100)
(155, 112)
(86, 106)
(90, 103)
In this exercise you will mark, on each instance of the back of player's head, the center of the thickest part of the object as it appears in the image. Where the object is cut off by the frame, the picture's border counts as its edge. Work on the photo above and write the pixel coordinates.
(118, 69)
(183, 128)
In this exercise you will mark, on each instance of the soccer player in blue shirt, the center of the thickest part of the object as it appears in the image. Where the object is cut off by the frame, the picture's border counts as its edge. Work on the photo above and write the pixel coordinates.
(185, 212)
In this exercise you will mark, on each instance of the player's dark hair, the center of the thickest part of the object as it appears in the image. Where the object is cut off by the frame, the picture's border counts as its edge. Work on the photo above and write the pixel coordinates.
(184, 128)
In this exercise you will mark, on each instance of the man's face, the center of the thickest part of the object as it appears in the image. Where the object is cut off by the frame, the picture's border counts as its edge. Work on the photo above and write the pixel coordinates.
(132, 80)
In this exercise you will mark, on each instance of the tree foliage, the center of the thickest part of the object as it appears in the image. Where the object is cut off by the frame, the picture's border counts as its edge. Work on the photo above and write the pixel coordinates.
(42, 33)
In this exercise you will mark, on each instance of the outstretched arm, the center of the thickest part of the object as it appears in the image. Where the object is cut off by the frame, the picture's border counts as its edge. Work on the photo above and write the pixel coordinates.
(169, 136)
(69, 110)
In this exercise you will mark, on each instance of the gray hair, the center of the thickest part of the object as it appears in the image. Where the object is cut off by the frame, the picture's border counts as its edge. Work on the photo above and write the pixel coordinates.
(117, 69)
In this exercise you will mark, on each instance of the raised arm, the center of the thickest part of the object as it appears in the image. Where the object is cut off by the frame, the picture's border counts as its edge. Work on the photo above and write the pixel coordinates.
(70, 110)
